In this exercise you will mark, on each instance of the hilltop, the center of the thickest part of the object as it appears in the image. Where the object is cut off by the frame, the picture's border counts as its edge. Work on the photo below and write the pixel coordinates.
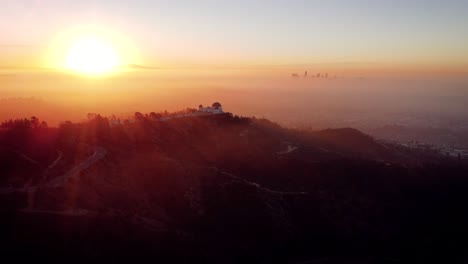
(223, 188)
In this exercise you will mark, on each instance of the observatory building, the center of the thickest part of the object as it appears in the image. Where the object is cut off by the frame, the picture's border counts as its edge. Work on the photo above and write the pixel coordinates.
(215, 108)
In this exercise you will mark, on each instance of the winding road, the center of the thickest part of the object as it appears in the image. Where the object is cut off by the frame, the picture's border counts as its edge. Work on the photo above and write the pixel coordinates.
(98, 154)
(256, 185)
(288, 150)
(54, 163)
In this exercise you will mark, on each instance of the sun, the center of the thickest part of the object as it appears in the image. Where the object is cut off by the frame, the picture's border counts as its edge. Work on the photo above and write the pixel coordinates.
(92, 55)
(91, 50)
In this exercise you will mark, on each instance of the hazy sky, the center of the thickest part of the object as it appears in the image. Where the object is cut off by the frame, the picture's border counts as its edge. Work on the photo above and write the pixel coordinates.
(419, 32)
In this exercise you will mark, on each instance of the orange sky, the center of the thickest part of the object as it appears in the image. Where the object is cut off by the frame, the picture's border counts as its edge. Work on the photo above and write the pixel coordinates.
(358, 36)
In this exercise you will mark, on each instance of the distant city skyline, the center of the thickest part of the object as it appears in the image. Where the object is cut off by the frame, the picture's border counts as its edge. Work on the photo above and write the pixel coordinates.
(413, 34)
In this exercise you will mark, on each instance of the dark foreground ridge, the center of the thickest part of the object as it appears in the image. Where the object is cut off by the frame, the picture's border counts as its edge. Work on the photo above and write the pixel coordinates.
(224, 189)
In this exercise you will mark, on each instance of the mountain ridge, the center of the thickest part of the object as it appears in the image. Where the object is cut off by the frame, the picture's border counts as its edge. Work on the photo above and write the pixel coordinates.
(223, 188)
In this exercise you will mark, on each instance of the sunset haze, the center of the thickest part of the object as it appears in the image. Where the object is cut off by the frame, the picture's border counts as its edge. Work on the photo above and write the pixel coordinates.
(414, 35)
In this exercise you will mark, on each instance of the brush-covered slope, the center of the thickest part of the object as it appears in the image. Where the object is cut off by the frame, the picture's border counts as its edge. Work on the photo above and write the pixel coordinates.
(225, 189)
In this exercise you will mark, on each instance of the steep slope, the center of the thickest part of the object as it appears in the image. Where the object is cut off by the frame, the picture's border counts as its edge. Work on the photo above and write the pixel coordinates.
(229, 189)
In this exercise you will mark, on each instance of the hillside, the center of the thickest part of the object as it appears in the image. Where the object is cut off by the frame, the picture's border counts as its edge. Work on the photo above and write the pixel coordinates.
(225, 189)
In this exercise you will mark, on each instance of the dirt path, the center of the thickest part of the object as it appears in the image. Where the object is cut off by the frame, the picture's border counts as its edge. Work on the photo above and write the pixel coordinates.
(98, 154)
(256, 185)
(288, 150)
(54, 163)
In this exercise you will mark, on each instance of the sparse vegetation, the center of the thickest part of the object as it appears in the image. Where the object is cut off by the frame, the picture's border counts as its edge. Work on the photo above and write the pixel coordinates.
(208, 187)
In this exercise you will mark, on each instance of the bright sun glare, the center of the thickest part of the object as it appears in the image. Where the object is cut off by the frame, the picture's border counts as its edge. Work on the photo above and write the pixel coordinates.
(92, 55)
(92, 51)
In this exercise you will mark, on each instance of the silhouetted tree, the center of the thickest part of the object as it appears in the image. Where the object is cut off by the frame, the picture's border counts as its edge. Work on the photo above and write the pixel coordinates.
(91, 116)
(139, 116)
(154, 115)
